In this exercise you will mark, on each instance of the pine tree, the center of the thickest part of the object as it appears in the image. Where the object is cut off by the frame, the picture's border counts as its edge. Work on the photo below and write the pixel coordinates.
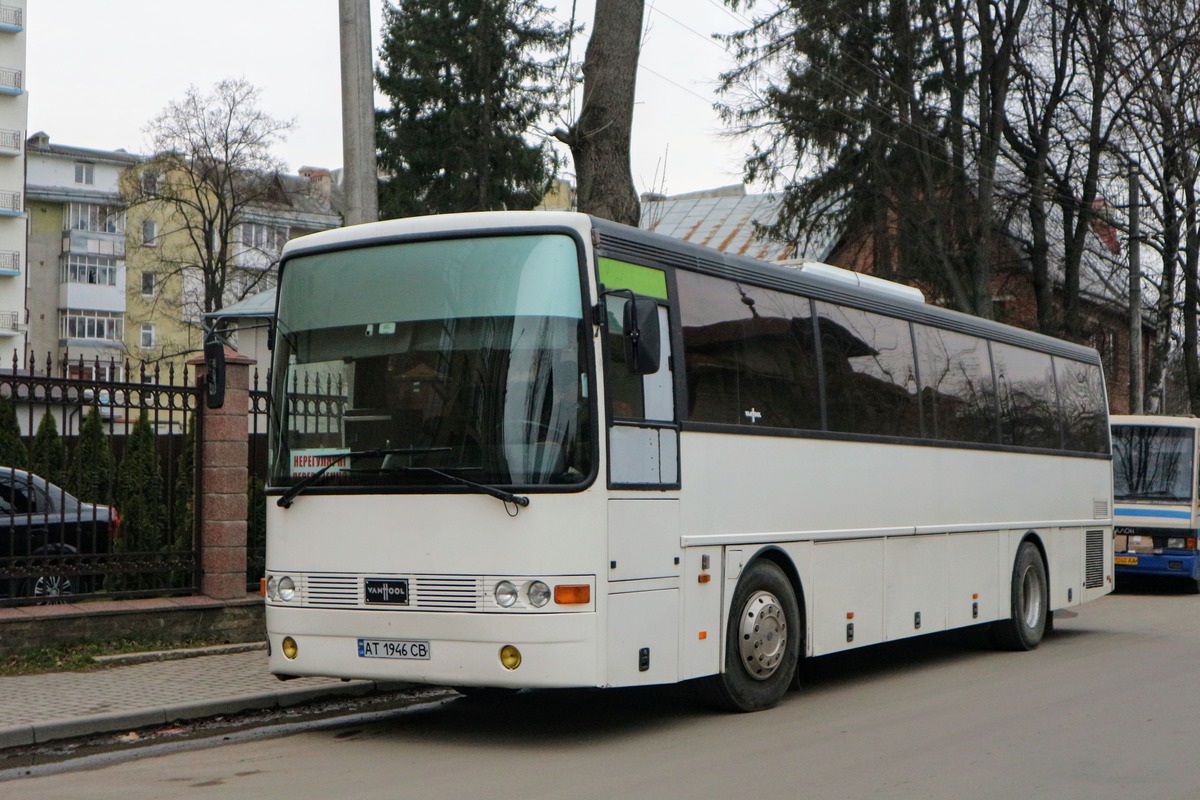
(468, 93)
(182, 540)
(12, 449)
(139, 497)
(89, 476)
(48, 455)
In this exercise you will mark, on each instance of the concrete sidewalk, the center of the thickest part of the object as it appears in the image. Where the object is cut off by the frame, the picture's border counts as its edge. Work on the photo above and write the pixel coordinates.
(61, 705)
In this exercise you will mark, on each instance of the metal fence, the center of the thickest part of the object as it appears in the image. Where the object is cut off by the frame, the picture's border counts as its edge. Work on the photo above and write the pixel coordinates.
(98, 481)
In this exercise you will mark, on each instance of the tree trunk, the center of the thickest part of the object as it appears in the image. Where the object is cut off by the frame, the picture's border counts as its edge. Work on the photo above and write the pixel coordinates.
(600, 138)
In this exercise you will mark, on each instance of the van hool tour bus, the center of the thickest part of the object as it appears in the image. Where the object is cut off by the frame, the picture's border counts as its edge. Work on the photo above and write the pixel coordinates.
(1154, 493)
(531, 449)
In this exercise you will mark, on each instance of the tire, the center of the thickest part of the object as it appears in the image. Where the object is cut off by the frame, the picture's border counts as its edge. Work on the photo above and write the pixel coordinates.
(50, 589)
(1030, 602)
(762, 642)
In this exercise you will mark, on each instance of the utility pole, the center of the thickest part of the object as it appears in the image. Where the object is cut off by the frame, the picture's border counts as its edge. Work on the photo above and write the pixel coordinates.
(358, 114)
(1136, 388)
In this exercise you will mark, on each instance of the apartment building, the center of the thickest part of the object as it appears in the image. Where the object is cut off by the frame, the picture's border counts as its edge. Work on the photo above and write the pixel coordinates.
(13, 214)
(77, 242)
(111, 285)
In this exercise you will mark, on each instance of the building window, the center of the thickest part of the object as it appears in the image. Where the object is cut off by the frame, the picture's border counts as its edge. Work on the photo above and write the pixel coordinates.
(148, 283)
(85, 173)
(95, 218)
(150, 183)
(82, 324)
(147, 335)
(267, 238)
(150, 233)
(96, 270)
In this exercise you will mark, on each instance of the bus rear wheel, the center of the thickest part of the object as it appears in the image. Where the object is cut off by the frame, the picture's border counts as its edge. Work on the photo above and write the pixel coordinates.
(1030, 602)
(762, 642)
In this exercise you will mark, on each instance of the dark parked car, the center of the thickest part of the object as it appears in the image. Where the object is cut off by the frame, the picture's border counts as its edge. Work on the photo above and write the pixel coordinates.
(59, 531)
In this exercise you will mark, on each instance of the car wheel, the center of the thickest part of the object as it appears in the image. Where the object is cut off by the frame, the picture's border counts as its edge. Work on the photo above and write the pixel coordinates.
(50, 588)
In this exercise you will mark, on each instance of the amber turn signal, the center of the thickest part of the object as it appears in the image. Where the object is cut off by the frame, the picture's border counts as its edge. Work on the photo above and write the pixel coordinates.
(573, 594)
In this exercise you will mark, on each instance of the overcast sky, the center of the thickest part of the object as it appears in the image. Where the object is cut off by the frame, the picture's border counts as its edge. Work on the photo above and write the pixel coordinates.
(98, 72)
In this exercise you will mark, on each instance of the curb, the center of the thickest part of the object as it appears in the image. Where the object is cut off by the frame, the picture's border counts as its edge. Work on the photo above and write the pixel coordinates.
(174, 655)
(54, 730)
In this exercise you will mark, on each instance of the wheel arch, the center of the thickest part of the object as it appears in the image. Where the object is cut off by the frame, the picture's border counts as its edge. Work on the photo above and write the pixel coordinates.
(781, 559)
(1035, 537)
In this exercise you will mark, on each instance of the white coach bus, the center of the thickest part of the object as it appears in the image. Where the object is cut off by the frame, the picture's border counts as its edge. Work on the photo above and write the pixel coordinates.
(532, 449)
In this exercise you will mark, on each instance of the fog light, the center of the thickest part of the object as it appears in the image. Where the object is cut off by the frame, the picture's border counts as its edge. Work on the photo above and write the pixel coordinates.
(287, 588)
(539, 594)
(289, 648)
(510, 657)
(506, 594)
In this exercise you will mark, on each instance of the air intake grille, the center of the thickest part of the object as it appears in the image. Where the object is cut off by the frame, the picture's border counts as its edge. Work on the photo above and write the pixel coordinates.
(1099, 509)
(430, 592)
(457, 593)
(1093, 577)
(330, 591)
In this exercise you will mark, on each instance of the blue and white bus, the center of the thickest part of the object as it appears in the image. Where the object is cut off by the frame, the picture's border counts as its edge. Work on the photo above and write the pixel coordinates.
(1155, 515)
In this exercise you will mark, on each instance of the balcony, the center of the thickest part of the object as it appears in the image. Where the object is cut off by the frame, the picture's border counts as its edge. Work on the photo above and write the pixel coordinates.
(12, 81)
(11, 19)
(10, 262)
(10, 204)
(10, 323)
(10, 142)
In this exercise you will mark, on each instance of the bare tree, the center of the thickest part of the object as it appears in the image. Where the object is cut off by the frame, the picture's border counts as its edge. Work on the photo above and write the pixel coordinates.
(600, 138)
(212, 165)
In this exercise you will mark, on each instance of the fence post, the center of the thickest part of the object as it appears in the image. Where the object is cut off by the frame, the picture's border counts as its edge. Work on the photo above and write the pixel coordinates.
(223, 447)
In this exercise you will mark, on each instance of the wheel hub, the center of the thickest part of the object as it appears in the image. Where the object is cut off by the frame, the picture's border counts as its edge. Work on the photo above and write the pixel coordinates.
(762, 635)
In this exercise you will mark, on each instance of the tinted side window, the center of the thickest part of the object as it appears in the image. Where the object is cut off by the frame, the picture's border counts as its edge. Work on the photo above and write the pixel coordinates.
(749, 354)
(1084, 406)
(1028, 398)
(956, 386)
(870, 374)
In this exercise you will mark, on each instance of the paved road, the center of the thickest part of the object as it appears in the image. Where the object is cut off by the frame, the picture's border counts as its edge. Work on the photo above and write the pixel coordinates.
(1106, 708)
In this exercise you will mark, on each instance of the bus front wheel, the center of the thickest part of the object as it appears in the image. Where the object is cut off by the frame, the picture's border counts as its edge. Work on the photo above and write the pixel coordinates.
(762, 641)
(1030, 591)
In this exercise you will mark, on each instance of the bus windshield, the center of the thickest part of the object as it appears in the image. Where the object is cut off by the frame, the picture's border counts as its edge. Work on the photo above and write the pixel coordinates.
(424, 363)
(1152, 463)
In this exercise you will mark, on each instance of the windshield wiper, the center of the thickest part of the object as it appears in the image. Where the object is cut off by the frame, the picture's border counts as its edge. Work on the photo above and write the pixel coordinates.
(286, 499)
(492, 491)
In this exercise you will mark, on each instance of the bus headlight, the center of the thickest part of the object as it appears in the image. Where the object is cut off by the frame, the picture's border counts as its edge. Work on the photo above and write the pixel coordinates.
(506, 594)
(539, 594)
(287, 588)
(272, 587)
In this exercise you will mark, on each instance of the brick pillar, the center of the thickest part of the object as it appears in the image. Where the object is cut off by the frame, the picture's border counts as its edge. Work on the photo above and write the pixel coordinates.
(224, 455)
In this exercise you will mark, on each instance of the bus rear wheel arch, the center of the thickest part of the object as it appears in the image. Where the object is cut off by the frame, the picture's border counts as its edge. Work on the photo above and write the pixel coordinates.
(763, 641)
(1029, 606)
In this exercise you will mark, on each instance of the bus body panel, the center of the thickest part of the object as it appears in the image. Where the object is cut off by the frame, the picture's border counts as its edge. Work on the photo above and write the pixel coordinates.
(887, 546)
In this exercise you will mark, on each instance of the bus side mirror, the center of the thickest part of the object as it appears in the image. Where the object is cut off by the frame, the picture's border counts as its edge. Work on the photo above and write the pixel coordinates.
(214, 372)
(642, 336)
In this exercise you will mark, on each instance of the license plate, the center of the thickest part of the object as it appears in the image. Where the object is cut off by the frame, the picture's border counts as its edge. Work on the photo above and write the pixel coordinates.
(386, 591)
(1129, 561)
(394, 648)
